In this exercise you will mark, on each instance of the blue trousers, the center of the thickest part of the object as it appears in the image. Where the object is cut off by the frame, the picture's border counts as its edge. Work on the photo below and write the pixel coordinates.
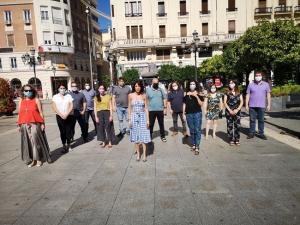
(259, 114)
(194, 121)
(123, 118)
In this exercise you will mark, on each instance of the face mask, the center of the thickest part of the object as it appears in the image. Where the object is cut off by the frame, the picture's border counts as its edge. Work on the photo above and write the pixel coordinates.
(192, 87)
(213, 90)
(74, 89)
(28, 94)
(87, 87)
(175, 88)
(62, 91)
(258, 78)
(232, 86)
(155, 86)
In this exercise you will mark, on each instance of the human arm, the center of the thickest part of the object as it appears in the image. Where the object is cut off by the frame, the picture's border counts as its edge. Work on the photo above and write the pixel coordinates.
(114, 103)
(110, 110)
(19, 107)
(268, 101)
(146, 110)
(129, 110)
(205, 106)
(54, 108)
(40, 109)
(95, 110)
(84, 106)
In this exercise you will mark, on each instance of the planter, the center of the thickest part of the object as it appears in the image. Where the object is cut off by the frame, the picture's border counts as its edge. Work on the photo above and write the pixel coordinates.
(279, 103)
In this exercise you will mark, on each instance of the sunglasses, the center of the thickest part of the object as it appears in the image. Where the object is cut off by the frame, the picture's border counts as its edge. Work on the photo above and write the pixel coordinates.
(27, 90)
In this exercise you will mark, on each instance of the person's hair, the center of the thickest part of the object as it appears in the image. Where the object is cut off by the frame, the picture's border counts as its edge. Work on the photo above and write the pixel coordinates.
(189, 83)
(139, 83)
(98, 96)
(120, 78)
(171, 85)
(209, 89)
(31, 88)
(236, 88)
(61, 85)
(73, 82)
(86, 83)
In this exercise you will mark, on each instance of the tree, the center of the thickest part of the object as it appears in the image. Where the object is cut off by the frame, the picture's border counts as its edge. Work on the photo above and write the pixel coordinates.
(130, 76)
(212, 66)
(105, 80)
(7, 104)
(187, 73)
(169, 72)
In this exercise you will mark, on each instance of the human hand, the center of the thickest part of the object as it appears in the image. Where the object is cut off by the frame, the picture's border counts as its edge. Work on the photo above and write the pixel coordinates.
(165, 112)
(268, 108)
(82, 113)
(97, 119)
(247, 108)
(114, 109)
(110, 119)
(43, 127)
(129, 124)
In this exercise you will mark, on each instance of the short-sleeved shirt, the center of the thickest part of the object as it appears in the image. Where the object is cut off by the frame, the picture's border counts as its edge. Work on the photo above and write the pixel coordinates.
(191, 104)
(176, 100)
(78, 100)
(62, 103)
(104, 104)
(258, 93)
(89, 96)
(155, 99)
(121, 96)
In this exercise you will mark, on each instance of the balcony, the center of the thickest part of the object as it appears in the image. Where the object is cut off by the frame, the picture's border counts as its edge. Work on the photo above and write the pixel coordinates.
(56, 49)
(297, 10)
(183, 13)
(231, 9)
(204, 12)
(161, 14)
(133, 14)
(283, 10)
(263, 11)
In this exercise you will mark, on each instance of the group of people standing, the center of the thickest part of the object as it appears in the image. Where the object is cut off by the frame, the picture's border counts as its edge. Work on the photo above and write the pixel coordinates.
(137, 110)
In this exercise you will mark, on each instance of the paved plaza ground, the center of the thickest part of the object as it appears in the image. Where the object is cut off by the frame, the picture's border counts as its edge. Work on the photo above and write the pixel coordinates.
(257, 183)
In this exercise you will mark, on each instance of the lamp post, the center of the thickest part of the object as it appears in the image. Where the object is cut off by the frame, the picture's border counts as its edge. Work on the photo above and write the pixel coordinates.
(195, 48)
(54, 85)
(31, 60)
(110, 56)
(87, 11)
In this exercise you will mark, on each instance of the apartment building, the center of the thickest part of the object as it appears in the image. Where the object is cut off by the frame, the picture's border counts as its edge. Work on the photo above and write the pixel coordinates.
(147, 33)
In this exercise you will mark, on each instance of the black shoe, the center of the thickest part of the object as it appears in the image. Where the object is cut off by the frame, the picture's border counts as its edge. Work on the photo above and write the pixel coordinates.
(85, 140)
(262, 136)
(120, 134)
(250, 136)
(65, 149)
(163, 139)
(72, 139)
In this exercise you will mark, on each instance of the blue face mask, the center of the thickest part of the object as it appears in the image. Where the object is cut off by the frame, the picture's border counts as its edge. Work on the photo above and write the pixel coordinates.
(28, 94)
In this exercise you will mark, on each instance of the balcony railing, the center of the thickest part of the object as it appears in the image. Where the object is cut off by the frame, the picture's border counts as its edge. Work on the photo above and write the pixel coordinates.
(283, 9)
(265, 10)
(183, 13)
(133, 14)
(231, 9)
(161, 14)
(204, 12)
(297, 9)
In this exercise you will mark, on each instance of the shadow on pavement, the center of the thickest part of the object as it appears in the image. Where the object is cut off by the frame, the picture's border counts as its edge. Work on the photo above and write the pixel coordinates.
(157, 134)
(150, 148)
(285, 130)
(222, 135)
(56, 154)
(293, 115)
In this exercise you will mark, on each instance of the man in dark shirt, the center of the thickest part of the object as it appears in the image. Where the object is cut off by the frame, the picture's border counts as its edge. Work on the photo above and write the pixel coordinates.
(79, 108)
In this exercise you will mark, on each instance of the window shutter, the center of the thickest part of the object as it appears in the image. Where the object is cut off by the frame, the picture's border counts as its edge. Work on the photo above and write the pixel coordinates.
(231, 4)
(262, 4)
(141, 32)
(183, 31)
(140, 8)
(134, 32)
(282, 2)
(231, 26)
(29, 39)
(134, 8)
(128, 32)
(113, 10)
(161, 7)
(10, 40)
(183, 7)
(162, 31)
(204, 6)
(204, 28)
(59, 38)
(56, 13)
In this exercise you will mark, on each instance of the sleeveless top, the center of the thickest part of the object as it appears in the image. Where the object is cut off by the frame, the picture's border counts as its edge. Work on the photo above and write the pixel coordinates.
(29, 112)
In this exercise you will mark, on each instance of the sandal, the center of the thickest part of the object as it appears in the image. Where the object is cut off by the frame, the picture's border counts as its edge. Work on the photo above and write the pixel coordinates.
(231, 143)
(102, 145)
(197, 151)
(193, 148)
(237, 143)
(164, 139)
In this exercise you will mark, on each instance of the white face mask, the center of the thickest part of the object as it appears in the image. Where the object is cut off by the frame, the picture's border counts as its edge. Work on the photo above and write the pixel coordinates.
(62, 91)
(213, 90)
(192, 87)
(87, 87)
(232, 86)
(74, 89)
(258, 78)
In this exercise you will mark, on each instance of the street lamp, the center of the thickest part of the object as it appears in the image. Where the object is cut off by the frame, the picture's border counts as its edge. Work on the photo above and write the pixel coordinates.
(32, 61)
(54, 71)
(195, 48)
(109, 55)
(87, 11)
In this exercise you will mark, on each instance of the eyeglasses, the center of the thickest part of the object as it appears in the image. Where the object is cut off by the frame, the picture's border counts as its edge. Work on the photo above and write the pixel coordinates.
(27, 90)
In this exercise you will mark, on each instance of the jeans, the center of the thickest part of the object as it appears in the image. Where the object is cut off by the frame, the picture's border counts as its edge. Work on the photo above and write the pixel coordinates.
(194, 121)
(87, 115)
(175, 121)
(259, 114)
(80, 118)
(122, 113)
(160, 118)
(65, 128)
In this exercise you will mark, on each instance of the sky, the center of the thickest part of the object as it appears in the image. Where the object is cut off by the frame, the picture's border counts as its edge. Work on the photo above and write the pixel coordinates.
(103, 6)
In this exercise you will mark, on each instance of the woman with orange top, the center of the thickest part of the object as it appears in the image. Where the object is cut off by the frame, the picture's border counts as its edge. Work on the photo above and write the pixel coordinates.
(34, 145)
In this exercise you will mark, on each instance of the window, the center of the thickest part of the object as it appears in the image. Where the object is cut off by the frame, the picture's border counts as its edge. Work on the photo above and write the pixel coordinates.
(162, 31)
(134, 32)
(204, 6)
(69, 40)
(262, 3)
(59, 38)
(66, 1)
(128, 32)
(114, 34)
(26, 16)
(231, 6)
(163, 54)
(204, 28)
(10, 40)
(13, 62)
(8, 18)
(133, 8)
(282, 2)
(47, 38)
(231, 26)
(56, 15)
(29, 39)
(182, 6)
(112, 11)
(161, 9)
(183, 31)
(136, 56)
(67, 21)
(0, 64)
(44, 13)
(141, 31)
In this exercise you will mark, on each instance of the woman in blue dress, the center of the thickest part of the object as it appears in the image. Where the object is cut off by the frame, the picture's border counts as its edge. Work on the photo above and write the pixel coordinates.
(139, 119)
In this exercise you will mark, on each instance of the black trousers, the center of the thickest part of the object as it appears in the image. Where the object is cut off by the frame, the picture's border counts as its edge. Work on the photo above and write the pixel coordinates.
(87, 115)
(65, 129)
(160, 118)
(105, 128)
(80, 119)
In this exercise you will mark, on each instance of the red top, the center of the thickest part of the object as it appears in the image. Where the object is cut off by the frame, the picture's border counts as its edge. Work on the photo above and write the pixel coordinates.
(29, 112)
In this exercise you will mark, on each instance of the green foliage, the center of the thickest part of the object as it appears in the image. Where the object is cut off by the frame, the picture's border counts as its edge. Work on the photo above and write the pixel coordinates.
(130, 76)
(285, 90)
(169, 72)
(7, 105)
(213, 66)
(187, 73)
(105, 79)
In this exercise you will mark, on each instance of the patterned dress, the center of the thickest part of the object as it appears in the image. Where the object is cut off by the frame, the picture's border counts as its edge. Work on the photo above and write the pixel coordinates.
(213, 107)
(233, 122)
(139, 133)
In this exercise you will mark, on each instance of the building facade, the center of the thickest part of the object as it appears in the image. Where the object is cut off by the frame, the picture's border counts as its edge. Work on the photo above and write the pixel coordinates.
(59, 37)
(147, 33)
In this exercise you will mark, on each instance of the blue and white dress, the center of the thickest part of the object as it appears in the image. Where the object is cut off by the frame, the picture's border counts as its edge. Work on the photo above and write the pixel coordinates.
(139, 133)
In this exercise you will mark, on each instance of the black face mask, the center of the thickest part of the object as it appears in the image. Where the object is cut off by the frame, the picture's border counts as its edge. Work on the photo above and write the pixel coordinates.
(155, 86)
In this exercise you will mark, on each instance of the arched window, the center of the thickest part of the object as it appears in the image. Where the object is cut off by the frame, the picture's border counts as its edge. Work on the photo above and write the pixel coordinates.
(16, 85)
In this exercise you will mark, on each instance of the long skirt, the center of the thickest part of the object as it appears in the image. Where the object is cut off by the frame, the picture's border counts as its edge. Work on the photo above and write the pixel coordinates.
(34, 145)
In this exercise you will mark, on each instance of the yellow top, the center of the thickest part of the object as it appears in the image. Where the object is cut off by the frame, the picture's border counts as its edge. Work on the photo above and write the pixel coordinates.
(104, 104)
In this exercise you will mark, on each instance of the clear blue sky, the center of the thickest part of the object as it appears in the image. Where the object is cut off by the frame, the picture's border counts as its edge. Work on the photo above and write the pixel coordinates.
(103, 6)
